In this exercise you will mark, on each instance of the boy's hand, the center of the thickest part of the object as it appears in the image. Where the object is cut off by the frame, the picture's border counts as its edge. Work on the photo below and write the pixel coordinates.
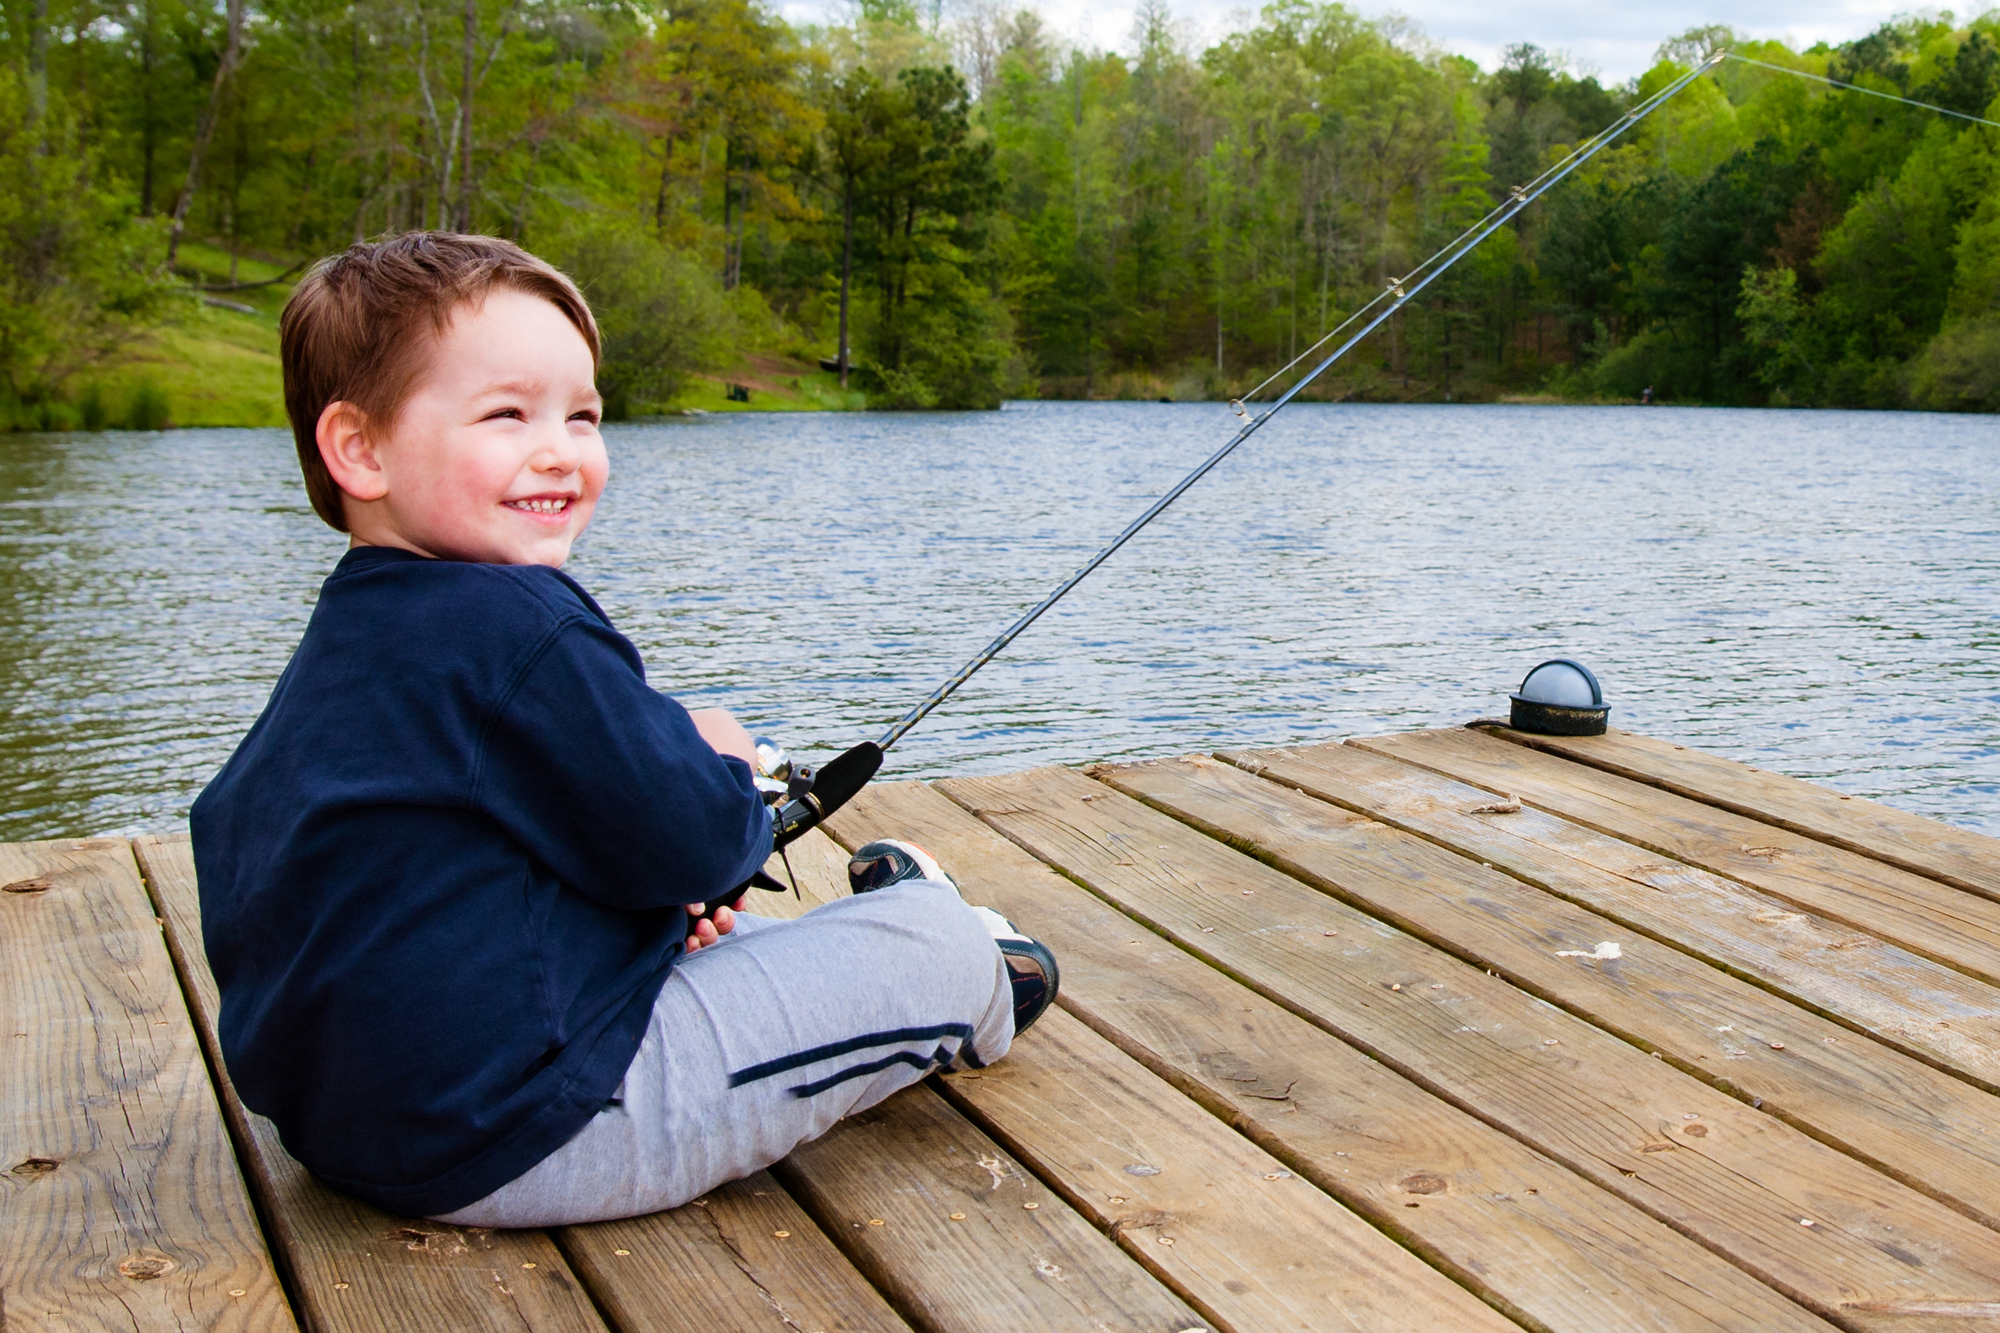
(724, 734)
(711, 929)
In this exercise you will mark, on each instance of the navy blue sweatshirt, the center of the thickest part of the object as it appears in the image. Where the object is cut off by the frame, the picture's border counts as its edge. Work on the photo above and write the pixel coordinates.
(444, 876)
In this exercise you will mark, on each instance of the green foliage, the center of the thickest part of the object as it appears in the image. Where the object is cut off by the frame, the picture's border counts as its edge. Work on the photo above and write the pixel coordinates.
(148, 410)
(986, 210)
(1959, 371)
(661, 315)
(78, 279)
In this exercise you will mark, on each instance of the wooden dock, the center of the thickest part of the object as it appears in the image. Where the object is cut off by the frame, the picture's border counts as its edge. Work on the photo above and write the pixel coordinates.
(1456, 1030)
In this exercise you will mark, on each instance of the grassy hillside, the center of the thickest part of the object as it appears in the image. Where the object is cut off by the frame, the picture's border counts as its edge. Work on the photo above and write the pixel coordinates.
(776, 384)
(219, 367)
(216, 367)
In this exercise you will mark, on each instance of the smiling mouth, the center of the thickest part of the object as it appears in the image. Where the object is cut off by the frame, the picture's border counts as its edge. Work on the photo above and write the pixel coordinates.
(557, 505)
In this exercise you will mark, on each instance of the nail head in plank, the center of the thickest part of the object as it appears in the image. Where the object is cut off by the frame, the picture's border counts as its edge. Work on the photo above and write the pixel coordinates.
(1508, 1222)
(121, 1206)
(1960, 857)
(1567, 1088)
(1945, 924)
(353, 1266)
(1925, 1127)
(1192, 1200)
(886, 1183)
(744, 1257)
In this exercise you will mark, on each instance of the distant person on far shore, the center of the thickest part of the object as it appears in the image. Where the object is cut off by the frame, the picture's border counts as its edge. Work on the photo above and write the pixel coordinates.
(453, 880)
(1646, 396)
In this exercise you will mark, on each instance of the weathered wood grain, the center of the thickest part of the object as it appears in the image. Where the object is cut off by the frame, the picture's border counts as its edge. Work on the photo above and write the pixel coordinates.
(1924, 1008)
(745, 1258)
(1532, 1237)
(1942, 923)
(1924, 1127)
(959, 1237)
(121, 1206)
(1959, 857)
(1815, 1224)
(351, 1265)
(1217, 1217)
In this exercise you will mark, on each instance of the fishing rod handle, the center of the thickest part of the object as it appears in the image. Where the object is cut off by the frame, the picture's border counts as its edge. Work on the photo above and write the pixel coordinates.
(833, 785)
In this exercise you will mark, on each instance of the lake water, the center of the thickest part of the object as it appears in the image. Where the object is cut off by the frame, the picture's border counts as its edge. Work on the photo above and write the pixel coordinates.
(1814, 592)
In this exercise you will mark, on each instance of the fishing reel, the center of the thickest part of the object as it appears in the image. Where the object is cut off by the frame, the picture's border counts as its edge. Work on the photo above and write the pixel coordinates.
(802, 797)
(778, 778)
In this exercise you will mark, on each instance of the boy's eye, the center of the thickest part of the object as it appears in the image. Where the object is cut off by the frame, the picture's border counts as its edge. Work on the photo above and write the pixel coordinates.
(514, 412)
(585, 415)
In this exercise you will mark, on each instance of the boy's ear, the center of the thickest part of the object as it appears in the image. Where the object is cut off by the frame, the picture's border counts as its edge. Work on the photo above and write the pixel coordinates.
(349, 454)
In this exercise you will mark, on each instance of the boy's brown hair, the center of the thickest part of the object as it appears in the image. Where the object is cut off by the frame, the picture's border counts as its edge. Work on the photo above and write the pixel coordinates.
(360, 325)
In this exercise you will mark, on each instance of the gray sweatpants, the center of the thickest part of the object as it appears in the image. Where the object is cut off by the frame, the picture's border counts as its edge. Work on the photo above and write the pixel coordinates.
(766, 1038)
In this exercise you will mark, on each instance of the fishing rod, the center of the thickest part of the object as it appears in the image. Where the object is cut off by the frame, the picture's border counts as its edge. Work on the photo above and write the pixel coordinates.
(808, 796)
(805, 797)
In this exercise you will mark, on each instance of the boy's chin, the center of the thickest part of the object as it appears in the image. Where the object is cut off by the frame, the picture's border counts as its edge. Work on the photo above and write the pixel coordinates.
(552, 551)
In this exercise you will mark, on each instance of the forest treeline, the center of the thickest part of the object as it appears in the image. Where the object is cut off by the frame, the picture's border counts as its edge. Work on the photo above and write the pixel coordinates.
(980, 210)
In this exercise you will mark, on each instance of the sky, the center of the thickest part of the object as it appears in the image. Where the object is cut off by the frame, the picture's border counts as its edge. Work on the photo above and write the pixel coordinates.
(1612, 40)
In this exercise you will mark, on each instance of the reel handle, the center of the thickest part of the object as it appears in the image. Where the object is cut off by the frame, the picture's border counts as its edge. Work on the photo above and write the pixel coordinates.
(811, 795)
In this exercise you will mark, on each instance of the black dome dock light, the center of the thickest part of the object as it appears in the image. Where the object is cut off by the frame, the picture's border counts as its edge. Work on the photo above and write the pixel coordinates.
(1560, 698)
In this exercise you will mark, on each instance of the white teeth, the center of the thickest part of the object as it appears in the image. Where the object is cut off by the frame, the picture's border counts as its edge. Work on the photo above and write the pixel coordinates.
(540, 506)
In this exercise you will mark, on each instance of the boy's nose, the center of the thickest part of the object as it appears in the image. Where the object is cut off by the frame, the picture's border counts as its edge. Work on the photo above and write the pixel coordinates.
(558, 453)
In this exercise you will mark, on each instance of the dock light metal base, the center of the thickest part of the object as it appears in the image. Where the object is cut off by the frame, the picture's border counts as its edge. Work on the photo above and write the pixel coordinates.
(1560, 698)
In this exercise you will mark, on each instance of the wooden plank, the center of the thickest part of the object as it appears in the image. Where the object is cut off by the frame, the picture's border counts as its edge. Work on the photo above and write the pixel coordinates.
(1817, 1225)
(353, 1266)
(1945, 924)
(1195, 1202)
(1959, 857)
(1924, 1008)
(121, 1206)
(959, 1237)
(1926, 1128)
(746, 1257)
(1530, 1236)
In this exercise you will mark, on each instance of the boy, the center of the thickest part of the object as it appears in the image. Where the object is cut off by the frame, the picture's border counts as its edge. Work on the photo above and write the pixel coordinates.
(450, 879)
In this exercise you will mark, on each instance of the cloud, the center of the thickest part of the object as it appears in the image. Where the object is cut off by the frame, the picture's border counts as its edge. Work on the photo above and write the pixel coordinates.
(1614, 41)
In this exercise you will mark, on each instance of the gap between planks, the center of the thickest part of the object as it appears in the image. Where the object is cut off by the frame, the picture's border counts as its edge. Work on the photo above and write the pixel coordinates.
(1947, 925)
(1956, 856)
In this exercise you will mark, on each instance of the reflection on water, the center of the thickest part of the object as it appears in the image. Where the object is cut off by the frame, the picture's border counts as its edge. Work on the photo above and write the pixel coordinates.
(1812, 592)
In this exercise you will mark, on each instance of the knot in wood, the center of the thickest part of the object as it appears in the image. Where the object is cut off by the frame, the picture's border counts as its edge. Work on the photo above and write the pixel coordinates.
(1152, 1217)
(145, 1267)
(35, 1167)
(1424, 1182)
(36, 884)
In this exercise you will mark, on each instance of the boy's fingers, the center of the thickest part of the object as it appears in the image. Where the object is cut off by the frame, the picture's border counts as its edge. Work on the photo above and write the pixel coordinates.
(724, 920)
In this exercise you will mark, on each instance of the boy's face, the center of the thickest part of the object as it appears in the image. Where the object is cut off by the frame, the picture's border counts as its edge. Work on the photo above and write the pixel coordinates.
(495, 456)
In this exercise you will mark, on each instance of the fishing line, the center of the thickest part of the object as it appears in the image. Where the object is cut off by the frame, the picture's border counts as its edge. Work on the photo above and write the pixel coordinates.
(1857, 88)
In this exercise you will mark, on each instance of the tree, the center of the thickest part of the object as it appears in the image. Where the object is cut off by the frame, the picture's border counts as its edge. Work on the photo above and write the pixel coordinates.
(79, 273)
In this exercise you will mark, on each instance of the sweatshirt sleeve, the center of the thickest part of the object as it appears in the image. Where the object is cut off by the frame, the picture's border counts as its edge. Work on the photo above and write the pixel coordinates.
(607, 782)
